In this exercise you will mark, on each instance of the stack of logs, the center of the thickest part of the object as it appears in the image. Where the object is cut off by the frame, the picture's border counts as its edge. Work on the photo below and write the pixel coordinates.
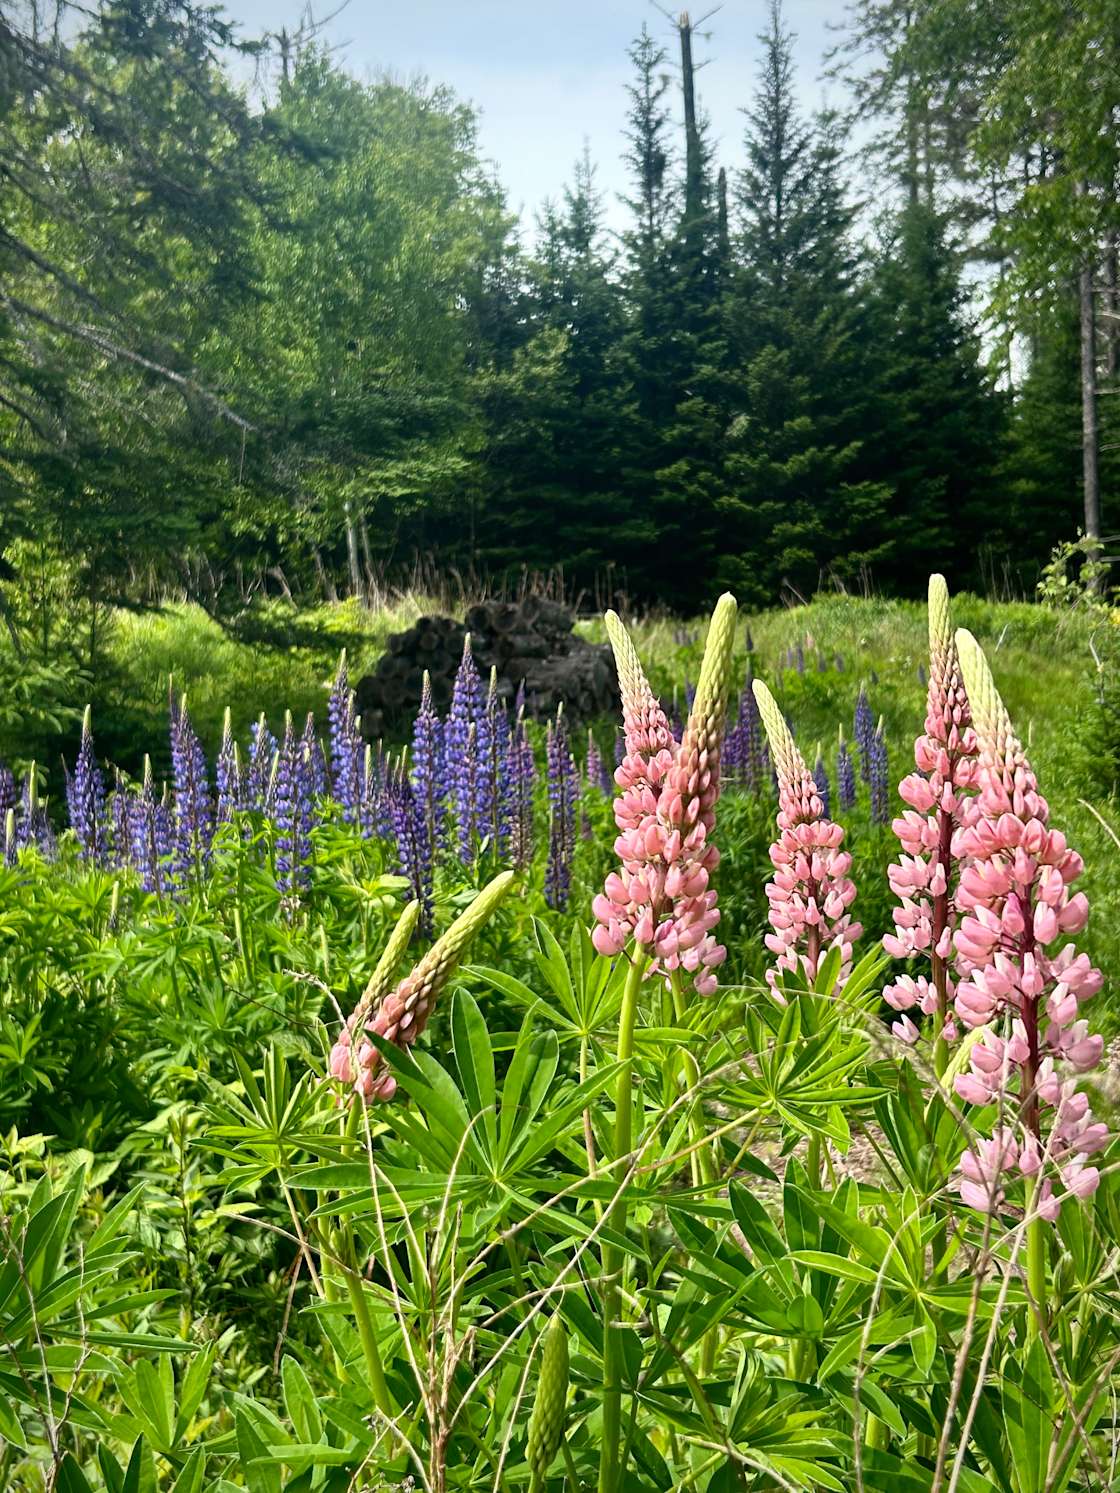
(530, 642)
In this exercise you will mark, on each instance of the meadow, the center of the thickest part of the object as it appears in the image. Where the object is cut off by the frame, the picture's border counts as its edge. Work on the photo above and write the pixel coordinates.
(607, 1222)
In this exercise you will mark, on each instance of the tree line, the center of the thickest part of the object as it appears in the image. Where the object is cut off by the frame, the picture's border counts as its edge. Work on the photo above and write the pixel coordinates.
(291, 336)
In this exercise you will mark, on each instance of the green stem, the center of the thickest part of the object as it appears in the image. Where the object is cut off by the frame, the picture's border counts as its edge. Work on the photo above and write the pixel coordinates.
(813, 1161)
(612, 1255)
(1036, 1271)
(381, 1396)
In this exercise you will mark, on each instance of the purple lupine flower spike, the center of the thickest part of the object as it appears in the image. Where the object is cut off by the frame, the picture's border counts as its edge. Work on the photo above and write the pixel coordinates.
(597, 774)
(33, 825)
(799, 658)
(262, 755)
(148, 838)
(85, 798)
(522, 780)
(463, 746)
(824, 788)
(193, 805)
(494, 761)
(864, 732)
(120, 834)
(429, 785)
(414, 850)
(880, 777)
(563, 791)
(845, 775)
(9, 793)
(316, 758)
(227, 773)
(293, 815)
(347, 756)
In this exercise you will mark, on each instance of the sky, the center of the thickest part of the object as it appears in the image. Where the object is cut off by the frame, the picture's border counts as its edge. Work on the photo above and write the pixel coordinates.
(546, 75)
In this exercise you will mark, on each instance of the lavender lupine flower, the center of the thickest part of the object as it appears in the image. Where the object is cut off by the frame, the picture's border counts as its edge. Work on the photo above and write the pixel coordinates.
(346, 744)
(120, 834)
(262, 755)
(9, 793)
(523, 773)
(414, 849)
(293, 815)
(374, 817)
(148, 829)
(464, 741)
(429, 786)
(845, 775)
(227, 773)
(32, 823)
(863, 729)
(799, 658)
(753, 751)
(85, 798)
(820, 778)
(880, 777)
(402, 1014)
(923, 677)
(194, 808)
(316, 758)
(596, 769)
(822, 664)
(563, 791)
(494, 756)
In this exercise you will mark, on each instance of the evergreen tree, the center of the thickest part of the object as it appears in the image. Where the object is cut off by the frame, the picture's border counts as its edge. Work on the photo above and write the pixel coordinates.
(795, 504)
(938, 423)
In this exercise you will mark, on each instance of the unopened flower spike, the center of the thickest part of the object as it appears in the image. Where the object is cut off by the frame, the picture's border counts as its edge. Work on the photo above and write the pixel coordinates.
(402, 1014)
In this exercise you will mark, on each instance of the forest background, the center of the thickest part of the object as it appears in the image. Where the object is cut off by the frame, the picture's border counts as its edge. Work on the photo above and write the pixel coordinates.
(267, 330)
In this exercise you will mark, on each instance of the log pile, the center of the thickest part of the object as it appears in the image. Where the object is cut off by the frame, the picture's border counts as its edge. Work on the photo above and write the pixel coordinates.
(530, 642)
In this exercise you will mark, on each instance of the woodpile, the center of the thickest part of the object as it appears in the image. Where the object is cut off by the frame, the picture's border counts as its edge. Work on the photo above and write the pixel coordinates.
(529, 642)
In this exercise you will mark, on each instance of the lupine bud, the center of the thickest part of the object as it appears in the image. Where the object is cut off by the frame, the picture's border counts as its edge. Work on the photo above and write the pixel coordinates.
(547, 1422)
(401, 1015)
(811, 891)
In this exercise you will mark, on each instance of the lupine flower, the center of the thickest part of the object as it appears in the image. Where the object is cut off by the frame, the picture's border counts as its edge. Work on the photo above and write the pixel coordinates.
(316, 758)
(194, 809)
(745, 750)
(428, 781)
(925, 876)
(401, 1015)
(799, 658)
(923, 677)
(523, 773)
(293, 815)
(150, 840)
(262, 756)
(414, 850)
(662, 896)
(845, 775)
(464, 738)
(85, 798)
(820, 778)
(346, 744)
(863, 729)
(563, 791)
(596, 769)
(32, 823)
(1016, 904)
(811, 892)
(227, 773)
(9, 793)
(120, 834)
(494, 804)
(880, 778)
